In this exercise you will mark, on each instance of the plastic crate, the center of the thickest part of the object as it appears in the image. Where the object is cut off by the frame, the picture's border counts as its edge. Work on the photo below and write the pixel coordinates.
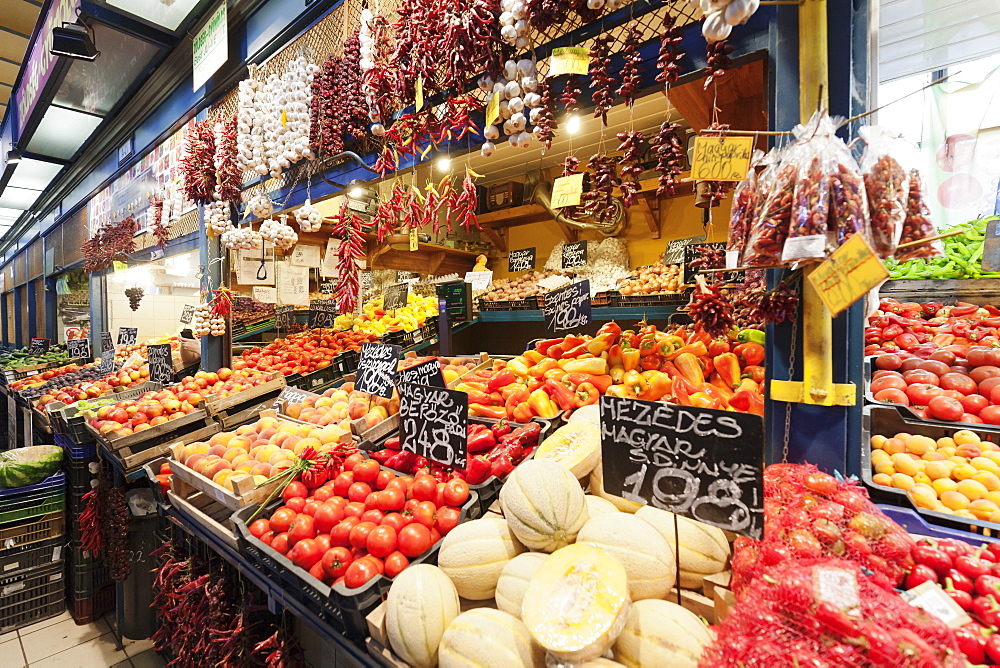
(32, 505)
(74, 450)
(16, 559)
(53, 482)
(619, 300)
(344, 609)
(80, 557)
(30, 531)
(79, 473)
(30, 596)
(87, 580)
(526, 304)
(914, 524)
(89, 609)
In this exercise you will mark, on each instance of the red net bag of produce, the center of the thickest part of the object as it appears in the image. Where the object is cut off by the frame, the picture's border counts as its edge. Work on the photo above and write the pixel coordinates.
(744, 207)
(917, 225)
(849, 213)
(808, 224)
(887, 186)
(828, 612)
(809, 514)
(769, 228)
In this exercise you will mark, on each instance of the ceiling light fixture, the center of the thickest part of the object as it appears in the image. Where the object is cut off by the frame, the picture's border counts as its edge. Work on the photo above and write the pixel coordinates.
(573, 125)
(443, 163)
(13, 157)
(74, 40)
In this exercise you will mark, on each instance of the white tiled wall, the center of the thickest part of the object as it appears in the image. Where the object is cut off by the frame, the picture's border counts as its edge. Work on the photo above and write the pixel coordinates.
(157, 314)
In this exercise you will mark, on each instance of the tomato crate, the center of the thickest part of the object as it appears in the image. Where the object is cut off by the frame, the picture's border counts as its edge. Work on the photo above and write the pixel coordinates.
(16, 559)
(344, 609)
(31, 596)
(86, 610)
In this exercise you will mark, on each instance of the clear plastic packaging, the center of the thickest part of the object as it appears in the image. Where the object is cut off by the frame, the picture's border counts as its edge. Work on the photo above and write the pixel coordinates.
(744, 207)
(769, 229)
(917, 226)
(887, 187)
(849, 213)
(808, 225)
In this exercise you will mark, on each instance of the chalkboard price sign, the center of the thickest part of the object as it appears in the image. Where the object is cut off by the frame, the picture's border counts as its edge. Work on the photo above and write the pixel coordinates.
(327, 288)
(395, 296)
(187, 315)
(425, 373)
(128, 336)
(701, 463)
(433, 423)
(292, 395)
(284, 317)
(567, 308)
(322, 313)
(107, 353)
(161, 367)
(674, 254)
(377, 368)
(522, 259)
(78, 348)
(38, 346)
(574, 255)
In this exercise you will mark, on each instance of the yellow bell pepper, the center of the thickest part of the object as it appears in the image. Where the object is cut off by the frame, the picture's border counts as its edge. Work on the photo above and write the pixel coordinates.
(690, 367)
(533, 356)
(541, 367)
(597, 366)
(519, 366)
(635, 383)
(617, 373)
(620, 391)
(542, 404)
(554, 374)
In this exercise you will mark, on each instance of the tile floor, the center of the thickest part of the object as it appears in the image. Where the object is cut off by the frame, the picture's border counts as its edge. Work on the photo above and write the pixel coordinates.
(59, 642)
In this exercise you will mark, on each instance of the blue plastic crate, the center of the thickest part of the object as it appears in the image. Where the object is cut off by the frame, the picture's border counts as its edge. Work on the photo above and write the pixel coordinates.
(57, 479)
(913, 523)
(74, 450)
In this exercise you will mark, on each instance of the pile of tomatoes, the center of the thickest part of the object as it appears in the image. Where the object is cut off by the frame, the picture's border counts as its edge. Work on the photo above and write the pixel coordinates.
(301, 353)
(365, 522)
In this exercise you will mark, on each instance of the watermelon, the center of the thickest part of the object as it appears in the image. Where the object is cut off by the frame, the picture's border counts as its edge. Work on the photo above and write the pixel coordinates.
(27, 466)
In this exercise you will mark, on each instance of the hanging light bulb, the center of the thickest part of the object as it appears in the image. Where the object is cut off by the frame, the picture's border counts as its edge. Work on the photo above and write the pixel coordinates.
(573, 125)
(443, 163)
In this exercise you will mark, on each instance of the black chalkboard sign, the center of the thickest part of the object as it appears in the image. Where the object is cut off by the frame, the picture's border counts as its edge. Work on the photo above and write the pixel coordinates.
(107, 353)
(674, 254)
(395, 296)
(425, 373)
(292, 395)
(107, 343)
(567, 308)
(78, 348)
(322, 313)
(522, 259)
(38, 346)
(327, 288)
(433, 422)
(187, 315)
(284, 317)
(701, 463)
(377, 368)
(161, 366)
(574, 254)
(128, 336)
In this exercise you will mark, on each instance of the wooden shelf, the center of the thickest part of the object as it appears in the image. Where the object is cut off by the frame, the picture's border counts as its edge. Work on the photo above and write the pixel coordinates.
(427, 259)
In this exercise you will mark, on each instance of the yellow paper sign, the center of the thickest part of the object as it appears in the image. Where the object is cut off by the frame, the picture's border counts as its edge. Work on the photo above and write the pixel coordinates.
(569, 60)
(566, 191)
(721, 158)
(848, 274)
(493, 109)
(414, 240)
(120, 266)
(284, 118)
(418, 93)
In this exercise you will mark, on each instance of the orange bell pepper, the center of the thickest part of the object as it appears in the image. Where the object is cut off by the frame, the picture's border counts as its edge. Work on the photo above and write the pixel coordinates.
(690, 367)
(601, 343)
(542, 404)
(718, 347)
(495, 412)
(720, 394)
(539, 369)
(619, 391)
(597, 366)
(471, 387)
(586, 394)
(522, 413)
(669, 344)
(635, 383)
(561, 394)
(699, 335)
(615, 355)
(727, 365)
(659, 385)
(754, 373)
(476, 397)
(602, 382)
(702, 400)
(516, 394)
(682, 390)
(542, 347)
(752, 352)
(533, 356)
(698, 349)
(554, 374)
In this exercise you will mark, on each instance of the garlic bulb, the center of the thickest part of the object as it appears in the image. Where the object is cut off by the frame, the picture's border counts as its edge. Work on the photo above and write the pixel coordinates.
(722, 15)
(279, 233)
(309, 217)
(715, 27)
(201, 323)
(217, 217)
(261, 206)
(217, 326)
(519, 103)
(244, 238)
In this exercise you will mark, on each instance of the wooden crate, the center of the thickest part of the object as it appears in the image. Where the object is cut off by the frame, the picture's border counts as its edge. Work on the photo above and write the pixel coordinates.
(695, 602)
(161, 433)
(133, 457)
(202, 509)
(245, 399)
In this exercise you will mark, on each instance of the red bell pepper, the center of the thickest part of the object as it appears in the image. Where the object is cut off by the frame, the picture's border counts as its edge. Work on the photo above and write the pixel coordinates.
(752, 352)
(501, 428)
(502, 379)
(651, 362)
(480, 441)
(718, 347)
(403, 460)
(501, 466)
(561, 394)
(524, 435)
(602, 382)
(544, 346)
(754, 373)
(392, 443)
(382, 456)
(478, 470)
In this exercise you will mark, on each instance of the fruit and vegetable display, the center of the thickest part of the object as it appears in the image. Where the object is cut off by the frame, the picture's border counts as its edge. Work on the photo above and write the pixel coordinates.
(126, 352)
(923, 329)
(523, 286)
(301, 353)
(17, 359)
(452, 368)
(82, 390)
(656, 278)
(43, 382)
(963, 256)
(375, 320)
(682, 365)
(340, 406)
(29, 465)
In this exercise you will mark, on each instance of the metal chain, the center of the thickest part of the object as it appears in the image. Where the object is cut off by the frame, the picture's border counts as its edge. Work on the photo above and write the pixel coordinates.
(791, 376)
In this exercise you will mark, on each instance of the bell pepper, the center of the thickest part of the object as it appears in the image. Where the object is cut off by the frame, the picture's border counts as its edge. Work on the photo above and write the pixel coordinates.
(669, 344)
(542, 404)
(702, 400)
(555, 352)
(698, 349)
(501, 466)
(720, 394)
(699, 336)
(509, 390)
(521, 412)
(635, 383)
(754, 372)
(468, 386)
(478, 470)
(554, 374)
(748, 398)
(751, 335)
(690, 367)
(630, 358)
(518, 366)
(651, 362)
(403, 460)
(613, 329)
(727, 365)
(543, 346)
(393, 443)
(682, 390)
(561, 394)
(533, 356)
(586, 394)
(534, 383)
(751, 352)
(495, 412)
(496, 399)
(669, 369)
(647, 343)
(659, 385)
(600, 344)
(601, 382)
(382, 456)
(524, 435)
(597, 366)
(620, 391)
(629, 339)
(501, 428)
(479, 398)
(481, 441)
(504, 378)
(540, 368)
(615, 355)
(617, 373)
(718, 347)
(576, 351)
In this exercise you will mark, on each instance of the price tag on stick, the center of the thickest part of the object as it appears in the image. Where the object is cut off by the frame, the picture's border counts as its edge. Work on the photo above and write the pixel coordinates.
(847, 275)
(395, 296)
(522, 259)
(697, 462)
(674, 254)
(78, 348)
(284, 317)
(425, 373)
(721, 158)
(574, 254)
(322, 313)
(433, 422)
(107, 353)
(377, 368)
(187, 315)
(161, 366)
(567, 308)
(128, 336)
(291, 395)
(493, 109)
(38, 346)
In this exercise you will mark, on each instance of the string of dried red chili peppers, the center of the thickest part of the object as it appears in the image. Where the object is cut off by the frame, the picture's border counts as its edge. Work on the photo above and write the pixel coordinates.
(669, 59)
(352, 249)
(631, 73)
(669, 158)
(601, 83)
(198, 164)
(633, 144)
(109, 242)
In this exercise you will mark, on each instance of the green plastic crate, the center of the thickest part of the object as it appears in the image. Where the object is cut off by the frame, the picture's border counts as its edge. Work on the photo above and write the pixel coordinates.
(32, 506)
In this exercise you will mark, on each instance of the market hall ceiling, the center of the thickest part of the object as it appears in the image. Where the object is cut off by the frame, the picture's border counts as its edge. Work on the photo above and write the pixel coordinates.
(17, 20)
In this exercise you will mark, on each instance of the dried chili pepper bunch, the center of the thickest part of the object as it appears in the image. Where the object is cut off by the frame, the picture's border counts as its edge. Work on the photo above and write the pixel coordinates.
(886, 185)
(917, 225)
(327, 136)
(462, 206)
(744, 299)
(710, 309)
(90, 523)
(229, 180)
(631, 73)
(634, 146)
(669, 157)
(542, 117)
(349, 228)
(598, 202)
(543, 14)
(387, 217)
(198, 164)
(353, 109)
(470, 40)
(157, 224)
(717, 60)
(110, 241)
(570, 98)
(601, 82)
(668, 60)
(849, 213)
(776, 306)
(114, 527)
(571, 165)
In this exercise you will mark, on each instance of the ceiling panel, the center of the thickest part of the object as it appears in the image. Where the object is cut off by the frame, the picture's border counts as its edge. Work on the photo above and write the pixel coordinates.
(12, 47)
(4, 95)
(8, 71)
(19, 15)
(51, 137)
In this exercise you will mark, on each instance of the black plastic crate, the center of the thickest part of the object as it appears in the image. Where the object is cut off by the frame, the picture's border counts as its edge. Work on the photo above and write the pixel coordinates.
(79, 473)
(16, 559)
(618, 300)
(86, 610)
(30, 596)
(526, 304)
(88, 580)
(80, 557)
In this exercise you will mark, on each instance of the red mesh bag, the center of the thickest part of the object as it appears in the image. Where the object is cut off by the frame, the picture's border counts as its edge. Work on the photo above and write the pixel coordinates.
(827, 612)
(809, 514)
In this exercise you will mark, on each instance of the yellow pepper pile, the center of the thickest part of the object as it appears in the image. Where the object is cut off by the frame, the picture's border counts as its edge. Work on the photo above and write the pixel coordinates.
(373, 319)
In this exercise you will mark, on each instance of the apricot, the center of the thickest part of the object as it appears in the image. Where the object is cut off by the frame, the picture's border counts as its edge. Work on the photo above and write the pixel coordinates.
(954, 500)
(882, 479)
(221, 438)
(192, 461)
(233, 452)
(904, 464)
(983, 508)
(923, 496)
(964, 436)
(939, 469)
(972, 489)
(942, 485)
(280, 456)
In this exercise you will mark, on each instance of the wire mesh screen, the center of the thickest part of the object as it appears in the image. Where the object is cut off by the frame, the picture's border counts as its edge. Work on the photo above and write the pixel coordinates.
(39, 321)
(187, 224)
(11, 333)
(36, 263)
(21, 268)
(22, 293)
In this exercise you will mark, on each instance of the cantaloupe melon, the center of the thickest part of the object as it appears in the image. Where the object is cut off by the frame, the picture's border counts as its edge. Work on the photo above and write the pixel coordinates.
(704, 549)
(422, 602)
(543, 504)
(474, 553)
(514, 580)
(487, 637)
(577, 446)
(600, 662)
(661, 633)
(597, 489)
(576, 604)
(596, 505)
(647, 557)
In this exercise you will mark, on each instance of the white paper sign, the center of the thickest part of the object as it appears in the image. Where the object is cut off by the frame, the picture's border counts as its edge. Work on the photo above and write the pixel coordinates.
(211, 47)
(480, 279)
(265, 295)
(248, 266)
(305, 255)
(329, 266)
(293, 285)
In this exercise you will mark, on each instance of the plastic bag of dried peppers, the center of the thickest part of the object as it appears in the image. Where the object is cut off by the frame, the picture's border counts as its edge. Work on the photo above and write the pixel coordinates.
(811, 202)
(917, 225)
(767, 235)
(849, 213)
(887, 185)
(744, 207)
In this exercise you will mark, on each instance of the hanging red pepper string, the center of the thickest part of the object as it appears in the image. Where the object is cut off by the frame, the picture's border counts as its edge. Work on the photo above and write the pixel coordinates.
(222, 303)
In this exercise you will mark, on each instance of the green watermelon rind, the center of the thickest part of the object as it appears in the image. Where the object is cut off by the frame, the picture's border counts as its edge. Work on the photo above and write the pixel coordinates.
(22, 467)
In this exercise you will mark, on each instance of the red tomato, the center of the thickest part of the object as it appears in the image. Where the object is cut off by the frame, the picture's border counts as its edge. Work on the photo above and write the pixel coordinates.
(267, 538)
(907, 341)
(303, 527)
(910, 364)
(945, 408)
(366, 470)
(395, 520)
(423, 488)
(887, 383)
(384, 478)
(891, 362)
(305, 553)
(312, 505)
(373, 515)
(282, 518)
(323, 541)
(336, 560)
(970, 418)
(921, 393)
(360, 572)
(317, 572)
(935, 367)
(990, 415)
(280, 543)
(328, 516)
(456, 492)
(414, 539)
(439, 495)
(294, 489)
(978, 355)
(981, 373)
(425, 513)
(353, 460)
(343, 482)
(381, 541)
(995, 395)
(435, 535)
(892, 396)
(954, 394)
(340, 535)
(883, 372)
(296, 503)
(359, 534)
(447, 519)
(359, 491)
(920, 376)
(323, 493)
(946, 356)
(354, 509)
(391, 499)
(986, 386)
(395, 563)
(959, 382)
(371, 501)
(259, 527)
(973, 403)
